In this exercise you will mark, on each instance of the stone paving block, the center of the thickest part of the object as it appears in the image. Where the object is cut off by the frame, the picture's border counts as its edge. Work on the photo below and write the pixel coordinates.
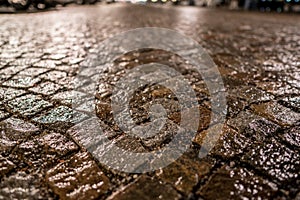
(10, 93)
(237, 183)
(91, 125)
(5, 166)
(42, 152)
(278, 88)
(32, 72)
(3, 113)
(33, 55)
(12, 70)
(185, 173)
(57, 56)
(60, 114)
(70, 69)
(235, 105)
(4, 77)
(46, 88)
(68, 82)
(24, 186)
(278, 113)
(24, 61)
(58, 143)
(73, 61)
(249, 121)
(228, 145)
(69, 97)
(87, 106)
(50, 64)
(130, 144)
(162, 137)
(243, 133)
(292, 136)
(8, 55)
(273, 158)
(251, 94)
(254, 143)
(78, 178)
(54, 75)
(13, 131)
(28, 105)
(21, 82)
(292, 103)
(4, 63)
(146, 188)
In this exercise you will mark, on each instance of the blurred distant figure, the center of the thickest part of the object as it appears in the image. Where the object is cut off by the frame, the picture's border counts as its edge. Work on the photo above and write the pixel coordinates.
(233, 5)
(250, 5)
(247, 4)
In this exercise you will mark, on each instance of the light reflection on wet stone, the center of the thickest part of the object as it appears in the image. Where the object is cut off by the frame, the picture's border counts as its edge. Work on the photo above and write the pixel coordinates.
(256, 157)
(78, 178)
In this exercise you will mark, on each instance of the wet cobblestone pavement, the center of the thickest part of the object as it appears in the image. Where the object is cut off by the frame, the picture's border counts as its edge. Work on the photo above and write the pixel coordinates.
(256, 157)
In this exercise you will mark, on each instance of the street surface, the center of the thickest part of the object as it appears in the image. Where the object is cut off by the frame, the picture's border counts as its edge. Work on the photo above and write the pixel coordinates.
(256, 157)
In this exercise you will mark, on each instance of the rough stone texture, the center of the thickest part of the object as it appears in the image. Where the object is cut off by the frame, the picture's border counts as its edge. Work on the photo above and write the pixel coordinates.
(42, 152)
(238, 183)
(60, 114)
(277, 113)
(3, 113)
(292, 136)
(32, 72)
(54, 76)
(21, 82)
(10, 93)
(251, 94)
(13, 131)
(28, 105)
(78, 178)
(185, 173)
(46, 88)
(291, 102)
(5, 166)
(146, 188)
(24, 186)
(69, 97)
(279, 162)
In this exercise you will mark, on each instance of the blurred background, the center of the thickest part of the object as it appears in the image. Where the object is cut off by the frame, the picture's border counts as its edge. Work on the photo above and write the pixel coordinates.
(253, 5)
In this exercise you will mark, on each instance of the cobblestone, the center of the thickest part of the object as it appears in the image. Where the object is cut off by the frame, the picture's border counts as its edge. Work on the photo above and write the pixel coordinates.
(42, 152)
(5, 166)
(32, 72)
(21, 82)
(3, 113)
(46, 88)
(280, 114)
(185, 173)
(292, 136)
(54, 75)
(146, 185)
(43, 155)
(13, 132)
(60, 114)
(271, 157)
(10, 93)
(28, 105)
(78, 178)
(237, 183)
(69, 97)
(24, 186)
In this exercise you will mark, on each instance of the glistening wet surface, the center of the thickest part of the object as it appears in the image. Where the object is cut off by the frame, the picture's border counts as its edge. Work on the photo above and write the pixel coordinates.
(256, 156)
